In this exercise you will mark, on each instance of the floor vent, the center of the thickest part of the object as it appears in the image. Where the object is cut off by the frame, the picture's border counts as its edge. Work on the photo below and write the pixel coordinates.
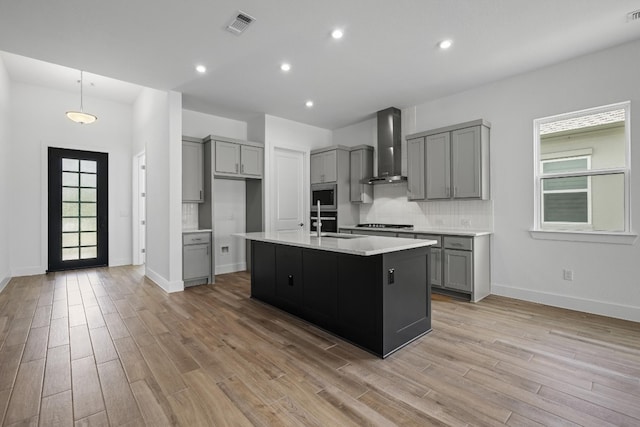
(240, 23)
(633, 16)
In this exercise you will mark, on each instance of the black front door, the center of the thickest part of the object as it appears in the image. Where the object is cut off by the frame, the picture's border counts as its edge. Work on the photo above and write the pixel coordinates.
(78, 209)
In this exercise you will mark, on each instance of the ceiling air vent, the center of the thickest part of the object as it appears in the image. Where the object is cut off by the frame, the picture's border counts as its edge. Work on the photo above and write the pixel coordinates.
(240, 23)
(633, 16)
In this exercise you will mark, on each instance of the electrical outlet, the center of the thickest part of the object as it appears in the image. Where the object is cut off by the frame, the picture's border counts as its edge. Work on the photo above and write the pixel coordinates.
(567, 274)
(465, 222)
(225, 249)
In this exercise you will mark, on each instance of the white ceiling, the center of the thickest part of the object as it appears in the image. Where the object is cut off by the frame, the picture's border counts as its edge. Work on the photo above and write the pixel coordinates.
(388, 56)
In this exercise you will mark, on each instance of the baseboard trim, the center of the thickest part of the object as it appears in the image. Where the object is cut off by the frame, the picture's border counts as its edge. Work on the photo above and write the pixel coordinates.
(29, 271)
(618, 311)
(231, 268)
(4, 282)
(164, 284)
(120, 262)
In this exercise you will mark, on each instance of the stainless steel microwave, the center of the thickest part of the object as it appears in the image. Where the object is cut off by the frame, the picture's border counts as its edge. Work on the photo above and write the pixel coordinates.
(327, 194)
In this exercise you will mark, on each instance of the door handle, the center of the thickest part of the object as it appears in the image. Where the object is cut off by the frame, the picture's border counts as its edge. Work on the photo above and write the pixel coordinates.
(301, 224)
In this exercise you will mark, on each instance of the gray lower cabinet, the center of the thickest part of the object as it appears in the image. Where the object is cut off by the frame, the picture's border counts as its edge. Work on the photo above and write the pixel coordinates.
(458, 270)
(196, 258)
(192, 172)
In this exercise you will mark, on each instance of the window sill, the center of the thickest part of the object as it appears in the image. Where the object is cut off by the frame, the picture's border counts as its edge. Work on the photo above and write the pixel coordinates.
(582, 236)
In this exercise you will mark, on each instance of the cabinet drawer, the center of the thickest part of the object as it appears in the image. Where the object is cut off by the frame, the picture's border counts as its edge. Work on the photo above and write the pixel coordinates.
(435, 237)
(463, 243)
(196, 238)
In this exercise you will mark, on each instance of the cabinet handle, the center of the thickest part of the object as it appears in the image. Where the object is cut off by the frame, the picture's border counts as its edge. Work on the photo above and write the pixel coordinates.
(200, 194)
(236, 168)
(448, 191)
(242, 168)
(455, 191)
(290, 280)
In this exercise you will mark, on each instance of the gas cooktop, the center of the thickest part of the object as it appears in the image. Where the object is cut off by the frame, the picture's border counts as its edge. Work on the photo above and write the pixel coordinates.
(404, 226)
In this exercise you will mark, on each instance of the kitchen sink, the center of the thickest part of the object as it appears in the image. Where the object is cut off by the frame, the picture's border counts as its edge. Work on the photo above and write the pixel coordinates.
(337, 235)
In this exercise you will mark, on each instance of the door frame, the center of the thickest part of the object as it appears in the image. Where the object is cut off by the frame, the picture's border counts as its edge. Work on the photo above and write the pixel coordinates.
(270, 208)
(102, 259)
(136, 199)
(44, 200)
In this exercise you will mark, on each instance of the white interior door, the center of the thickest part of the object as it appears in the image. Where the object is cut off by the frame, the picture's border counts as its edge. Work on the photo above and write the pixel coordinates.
(288, 189)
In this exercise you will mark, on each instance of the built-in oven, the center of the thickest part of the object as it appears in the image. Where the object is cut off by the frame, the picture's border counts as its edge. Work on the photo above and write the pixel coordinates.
(326, 194)
(329, 221)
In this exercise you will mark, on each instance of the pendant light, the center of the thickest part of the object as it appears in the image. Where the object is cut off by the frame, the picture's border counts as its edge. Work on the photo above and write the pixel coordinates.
(80, 116)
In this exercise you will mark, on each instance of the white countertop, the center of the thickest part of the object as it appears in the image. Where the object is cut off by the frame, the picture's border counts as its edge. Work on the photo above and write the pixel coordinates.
(447, 231)
(202, 230)
(363, 245)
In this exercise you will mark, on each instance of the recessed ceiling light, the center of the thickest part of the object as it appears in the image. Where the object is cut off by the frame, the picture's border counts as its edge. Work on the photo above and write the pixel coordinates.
(201, 69)
(445, 44)
(337, 34)
(309, 104)
(285, 66)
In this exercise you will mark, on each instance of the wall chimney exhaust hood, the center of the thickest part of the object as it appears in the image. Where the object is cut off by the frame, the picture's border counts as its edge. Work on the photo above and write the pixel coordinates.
(389, 148)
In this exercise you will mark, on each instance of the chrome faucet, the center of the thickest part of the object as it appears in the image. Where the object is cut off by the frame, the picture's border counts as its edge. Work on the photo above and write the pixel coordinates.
(319, 222)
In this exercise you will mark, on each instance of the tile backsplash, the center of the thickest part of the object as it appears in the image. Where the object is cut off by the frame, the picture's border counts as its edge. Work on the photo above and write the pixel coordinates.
(190, 216)
(390, 206)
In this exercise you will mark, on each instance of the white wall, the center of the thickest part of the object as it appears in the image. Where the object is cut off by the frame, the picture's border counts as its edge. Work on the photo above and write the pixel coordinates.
(157, 123)
(38, 122)
(283, 133)
(606, 276)
(5, 138)
(200, 125)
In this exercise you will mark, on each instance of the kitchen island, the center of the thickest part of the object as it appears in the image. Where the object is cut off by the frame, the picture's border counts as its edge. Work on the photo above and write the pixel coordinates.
(372, 291)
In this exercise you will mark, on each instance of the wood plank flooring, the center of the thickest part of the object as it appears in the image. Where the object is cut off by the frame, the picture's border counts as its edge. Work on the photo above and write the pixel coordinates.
(108, 347)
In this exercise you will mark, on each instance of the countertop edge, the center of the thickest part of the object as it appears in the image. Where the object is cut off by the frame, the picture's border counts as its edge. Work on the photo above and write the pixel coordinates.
(443, 231)
(412, 244)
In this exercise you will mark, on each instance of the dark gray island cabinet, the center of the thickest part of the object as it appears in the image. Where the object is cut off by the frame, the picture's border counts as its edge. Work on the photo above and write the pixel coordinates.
(380, 301)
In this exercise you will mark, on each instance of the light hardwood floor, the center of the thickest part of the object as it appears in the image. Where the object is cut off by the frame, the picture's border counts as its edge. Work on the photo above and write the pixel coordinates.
(107, 347)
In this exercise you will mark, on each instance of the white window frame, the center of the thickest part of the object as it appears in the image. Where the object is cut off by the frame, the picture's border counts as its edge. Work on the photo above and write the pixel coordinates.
(541, 230)
(566, 225)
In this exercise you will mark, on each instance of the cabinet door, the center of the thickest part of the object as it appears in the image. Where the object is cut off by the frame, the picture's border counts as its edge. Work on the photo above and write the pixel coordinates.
(415, 169)
(438, 166)
(227, 157)
(289, 281)
(192, 172)
(330, 166)
(320, 292)
(355, 172)
(458, 270)
(435, 267)
(466, 163)
(251, 160)
(317, 161)
(196, 261)
(263, 270)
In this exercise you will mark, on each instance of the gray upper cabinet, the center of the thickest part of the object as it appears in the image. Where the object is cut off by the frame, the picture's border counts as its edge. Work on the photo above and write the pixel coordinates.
(192, 172)
(438, 166)
(227, 157)
(239, 160)
(456, 161)
(415, 169)
(360, 167)
(324, 167)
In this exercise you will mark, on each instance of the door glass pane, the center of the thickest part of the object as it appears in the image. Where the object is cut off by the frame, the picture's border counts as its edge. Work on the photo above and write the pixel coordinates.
(70, 224)
(88, 224)
(570, 183)
(70, 254)
(566, 207)
(70, 165)
(69, 179)
(70, 239)
(69, 209)
(88, 166)
(88, 239)
(88, 195)
(70, 194)
(88, 180)
(90, 252)
(88, 209)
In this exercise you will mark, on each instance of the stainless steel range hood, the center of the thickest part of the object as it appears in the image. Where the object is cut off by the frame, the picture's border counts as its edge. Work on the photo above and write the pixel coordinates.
(389, 148)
